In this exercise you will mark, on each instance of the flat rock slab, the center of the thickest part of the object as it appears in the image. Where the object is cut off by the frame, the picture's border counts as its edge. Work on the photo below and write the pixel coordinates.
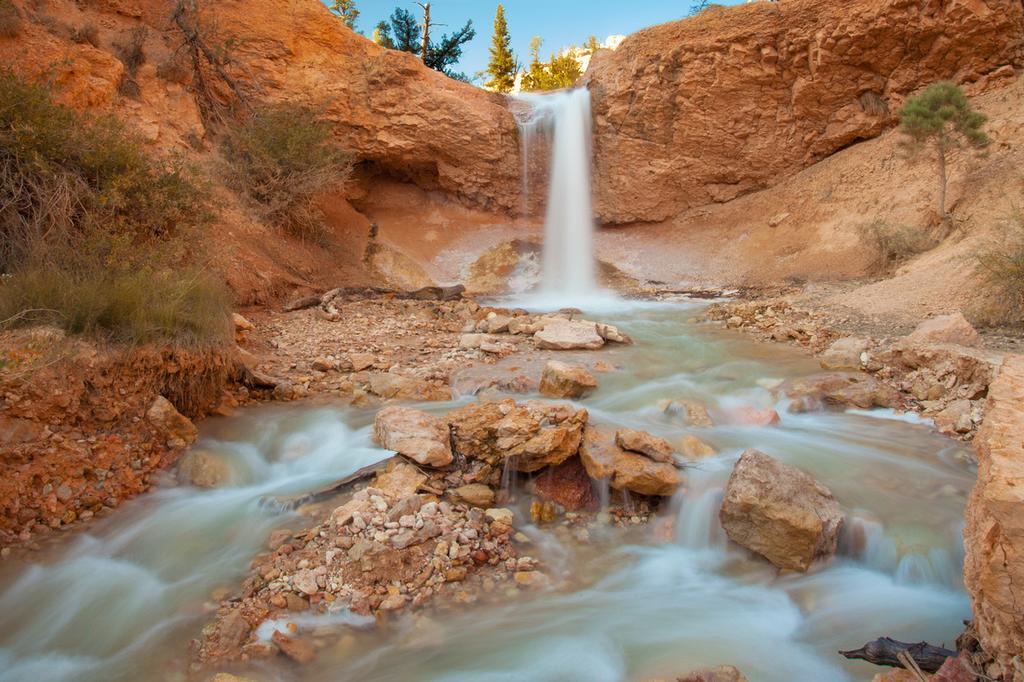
(559, 334)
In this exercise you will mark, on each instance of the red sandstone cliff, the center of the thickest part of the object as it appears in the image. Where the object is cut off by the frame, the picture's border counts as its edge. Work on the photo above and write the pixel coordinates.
(710, 108)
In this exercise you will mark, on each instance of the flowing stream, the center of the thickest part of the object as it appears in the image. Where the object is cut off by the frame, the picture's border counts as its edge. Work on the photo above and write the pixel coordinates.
(121, 601)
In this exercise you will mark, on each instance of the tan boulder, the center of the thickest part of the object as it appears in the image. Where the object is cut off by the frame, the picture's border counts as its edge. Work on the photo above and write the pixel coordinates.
(392, 386)
(415, 434)
(694, 448)
(844, 353)
(361, 361)
(953, 329)
(994, 533)
(956, 418)
(652, 447)
(723, 673)
(176, 428)
(203, 469)
(399, 481)
(490, 272)
(563, 380)
(612, 334)
(779, 512)
(691, 411)
(476, 494)
(532, 434)
(604, 460)
(843, 388)
(561, 334)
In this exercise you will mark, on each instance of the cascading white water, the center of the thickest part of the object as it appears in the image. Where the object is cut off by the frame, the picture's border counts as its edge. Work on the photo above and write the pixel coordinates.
(564, 118)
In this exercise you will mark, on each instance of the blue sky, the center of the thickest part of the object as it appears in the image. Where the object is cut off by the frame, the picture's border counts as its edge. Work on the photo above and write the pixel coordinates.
(559, 22)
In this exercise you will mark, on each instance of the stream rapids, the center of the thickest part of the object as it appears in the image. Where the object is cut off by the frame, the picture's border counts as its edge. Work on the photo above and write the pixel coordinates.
(121, 600)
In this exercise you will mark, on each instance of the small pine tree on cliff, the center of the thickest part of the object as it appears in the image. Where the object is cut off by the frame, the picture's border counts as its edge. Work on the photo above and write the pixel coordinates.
(502, 66)
(346, 11)
(942, 118)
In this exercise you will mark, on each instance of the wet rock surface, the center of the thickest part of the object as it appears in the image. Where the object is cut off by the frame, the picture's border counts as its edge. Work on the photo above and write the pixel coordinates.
(921, 371)
(780, 512)
(604, 460)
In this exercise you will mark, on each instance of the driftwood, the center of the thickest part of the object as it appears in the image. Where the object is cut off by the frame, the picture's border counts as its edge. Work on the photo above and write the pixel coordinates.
(339, 486)
(453, 293)
(887, 651)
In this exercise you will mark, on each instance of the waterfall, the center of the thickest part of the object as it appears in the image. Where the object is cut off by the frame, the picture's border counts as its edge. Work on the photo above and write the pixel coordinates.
(563, 118)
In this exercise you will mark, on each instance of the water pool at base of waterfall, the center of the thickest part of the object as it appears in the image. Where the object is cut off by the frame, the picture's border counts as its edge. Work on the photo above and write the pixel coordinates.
(122, 600)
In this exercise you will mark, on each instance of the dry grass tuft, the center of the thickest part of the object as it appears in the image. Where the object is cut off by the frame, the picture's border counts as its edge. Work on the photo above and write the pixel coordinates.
(95, 236)
(895, 244)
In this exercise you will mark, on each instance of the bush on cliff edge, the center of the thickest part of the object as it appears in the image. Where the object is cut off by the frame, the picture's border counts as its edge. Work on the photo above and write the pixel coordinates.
(95, 235)
(283, 157)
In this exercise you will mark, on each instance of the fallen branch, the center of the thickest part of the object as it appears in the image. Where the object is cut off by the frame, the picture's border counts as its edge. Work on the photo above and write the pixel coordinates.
(339, 486)
(888, 651)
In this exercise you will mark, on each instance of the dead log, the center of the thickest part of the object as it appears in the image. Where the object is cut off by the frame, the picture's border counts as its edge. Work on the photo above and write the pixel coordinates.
(295, 501)
(886, 651)
(302, 303)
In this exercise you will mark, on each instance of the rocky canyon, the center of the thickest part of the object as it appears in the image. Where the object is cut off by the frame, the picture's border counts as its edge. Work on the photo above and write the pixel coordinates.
(780, 417)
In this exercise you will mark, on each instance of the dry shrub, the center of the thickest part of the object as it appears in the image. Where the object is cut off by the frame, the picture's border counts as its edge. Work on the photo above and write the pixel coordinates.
(174, 70)
(282, 157)
(999, 264)
(87, 33)
(895, 244)
(94, 234)
(131, 50)
(10, 20)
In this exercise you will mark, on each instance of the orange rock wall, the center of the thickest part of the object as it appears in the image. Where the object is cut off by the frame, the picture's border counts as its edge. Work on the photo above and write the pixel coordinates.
(711, 108)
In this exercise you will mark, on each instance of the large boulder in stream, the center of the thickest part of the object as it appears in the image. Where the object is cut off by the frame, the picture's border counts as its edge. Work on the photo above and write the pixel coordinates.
(414, 434)
(779, 512)
(605, 460)
(564, 380)
(531, 435)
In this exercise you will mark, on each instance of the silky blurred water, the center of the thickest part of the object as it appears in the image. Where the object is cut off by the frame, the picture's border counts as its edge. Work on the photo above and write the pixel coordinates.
(121, 602)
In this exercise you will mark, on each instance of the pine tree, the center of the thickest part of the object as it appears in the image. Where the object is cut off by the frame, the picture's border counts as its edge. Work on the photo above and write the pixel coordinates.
(536, 76)
(502, 66)
(943, 118)
(346, 10)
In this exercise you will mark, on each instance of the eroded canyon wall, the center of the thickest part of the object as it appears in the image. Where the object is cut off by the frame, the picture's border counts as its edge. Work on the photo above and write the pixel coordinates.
(710, 108)
(994, 535)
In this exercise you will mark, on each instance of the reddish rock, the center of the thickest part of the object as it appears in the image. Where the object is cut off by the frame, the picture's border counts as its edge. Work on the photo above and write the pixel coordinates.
(994, 533)
(763, 90)
(748, 415)
(953, 329)
(299, 650)
(568, 485)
